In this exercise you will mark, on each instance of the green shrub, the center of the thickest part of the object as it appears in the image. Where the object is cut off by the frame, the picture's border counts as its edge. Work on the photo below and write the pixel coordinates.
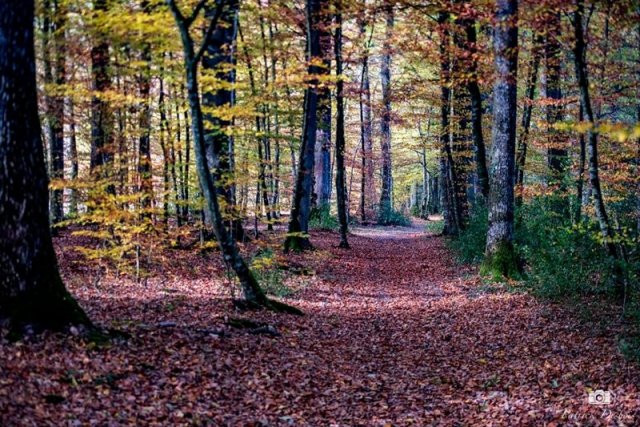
(269, 275)
(562, 259)
(435, 227)
(320, 218)
(393, 217)
(469, 245)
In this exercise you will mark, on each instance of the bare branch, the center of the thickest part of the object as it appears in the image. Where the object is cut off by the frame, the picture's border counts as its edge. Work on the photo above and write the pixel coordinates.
(196, 11)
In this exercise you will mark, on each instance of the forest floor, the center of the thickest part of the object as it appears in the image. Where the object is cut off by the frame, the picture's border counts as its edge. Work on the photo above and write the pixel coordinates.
(395, 333)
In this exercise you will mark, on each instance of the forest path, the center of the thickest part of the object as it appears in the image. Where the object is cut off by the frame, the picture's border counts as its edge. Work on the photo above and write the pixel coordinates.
(395, 333)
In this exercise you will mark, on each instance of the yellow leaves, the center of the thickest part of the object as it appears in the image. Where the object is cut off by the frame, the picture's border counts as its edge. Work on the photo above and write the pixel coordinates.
(619, 132)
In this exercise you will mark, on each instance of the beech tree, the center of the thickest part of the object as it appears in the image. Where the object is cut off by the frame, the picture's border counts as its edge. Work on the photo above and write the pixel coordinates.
(500, 258)
(297, 237)
(32, 293)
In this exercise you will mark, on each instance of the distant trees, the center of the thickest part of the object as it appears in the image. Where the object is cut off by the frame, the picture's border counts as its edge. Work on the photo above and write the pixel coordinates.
(32, 294)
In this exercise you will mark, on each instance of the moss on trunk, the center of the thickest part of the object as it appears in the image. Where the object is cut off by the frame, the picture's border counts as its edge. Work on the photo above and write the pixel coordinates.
(502, 263)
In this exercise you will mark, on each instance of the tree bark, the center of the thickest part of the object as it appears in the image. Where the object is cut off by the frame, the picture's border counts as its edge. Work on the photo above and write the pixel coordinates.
(386, 204)
(297, 238)
(447, 167)
(521, 151)
(367, 183)
(322, 163)
(219, 61)
(102, 150)
(55, 103)
(473, 87)
(341, 191)
(32, 294)
(556, 152)
(580, 62)
(500, 258)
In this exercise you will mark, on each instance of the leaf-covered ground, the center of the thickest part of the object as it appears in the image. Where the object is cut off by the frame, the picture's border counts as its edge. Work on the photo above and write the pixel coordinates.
(395, 333)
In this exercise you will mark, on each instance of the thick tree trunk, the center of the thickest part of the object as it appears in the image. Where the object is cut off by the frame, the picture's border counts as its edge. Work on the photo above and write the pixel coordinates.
(219, 61)
(341, 191)
(386, 204)
(322, 163)
(297, 238)
(32, 293)
(500, 258)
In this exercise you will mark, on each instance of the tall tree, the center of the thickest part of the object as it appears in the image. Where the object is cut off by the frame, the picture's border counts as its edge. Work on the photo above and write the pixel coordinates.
(322, 166)
(580, 63)
(219, 63)
(500, 258)
(297, 238)
(341, 191)
(32, 293)
(56, 16)
(102, 152)
(448, 195)
(556, 153)
(144, 122)
(385, 121)
(480, 155)
(530, 91)
(253, 293)
(367, 183)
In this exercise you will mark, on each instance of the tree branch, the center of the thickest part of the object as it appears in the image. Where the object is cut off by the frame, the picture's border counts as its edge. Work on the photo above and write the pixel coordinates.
(212, 26)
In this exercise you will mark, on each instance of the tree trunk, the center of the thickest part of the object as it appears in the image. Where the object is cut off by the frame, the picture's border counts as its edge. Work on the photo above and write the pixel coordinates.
(254, 296)
(580, 62)
(367, 183)
(73, 154)
(144, 143)
(55, 103)
(521, 151)
(32, 294)
(386, 204)
(556, 153)
(322, 163)
(297, 238)
(500, 258)
(341, 191)
(101, 163)
(473, 87)
(219, 61)
(447, 168)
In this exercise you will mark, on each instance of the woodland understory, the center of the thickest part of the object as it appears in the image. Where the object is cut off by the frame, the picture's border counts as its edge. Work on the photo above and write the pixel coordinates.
(387, 339)
(320, 212)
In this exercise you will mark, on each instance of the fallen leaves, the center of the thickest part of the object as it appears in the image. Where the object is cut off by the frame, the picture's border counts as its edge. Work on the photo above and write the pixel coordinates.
(396, 333)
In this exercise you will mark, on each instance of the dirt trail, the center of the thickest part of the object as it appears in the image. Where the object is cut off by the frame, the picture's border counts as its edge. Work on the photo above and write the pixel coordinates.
(395, 333)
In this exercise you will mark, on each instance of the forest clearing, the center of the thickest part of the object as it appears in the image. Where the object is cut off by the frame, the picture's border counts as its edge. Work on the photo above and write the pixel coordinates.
(320, 212)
